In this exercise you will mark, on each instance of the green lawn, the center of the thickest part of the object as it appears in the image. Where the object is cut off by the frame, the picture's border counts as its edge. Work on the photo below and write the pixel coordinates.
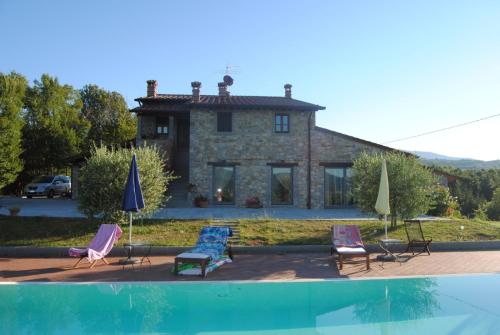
(24, 231)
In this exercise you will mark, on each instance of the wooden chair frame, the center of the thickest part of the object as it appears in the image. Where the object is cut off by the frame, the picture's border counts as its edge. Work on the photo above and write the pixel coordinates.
(203, 262)
(419, 241)
(366, 255)
(92, 264)
(230, 250)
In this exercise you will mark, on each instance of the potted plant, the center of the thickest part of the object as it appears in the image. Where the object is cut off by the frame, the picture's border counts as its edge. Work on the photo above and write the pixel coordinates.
(253, 202)
(14, 211)
(201, 201)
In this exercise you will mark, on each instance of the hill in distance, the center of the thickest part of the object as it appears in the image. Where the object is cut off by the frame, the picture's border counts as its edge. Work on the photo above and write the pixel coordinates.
(430, 159)
(433, 155)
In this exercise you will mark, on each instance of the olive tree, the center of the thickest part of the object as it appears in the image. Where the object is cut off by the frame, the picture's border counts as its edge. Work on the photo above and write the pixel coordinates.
(410, 184)
(103, 179)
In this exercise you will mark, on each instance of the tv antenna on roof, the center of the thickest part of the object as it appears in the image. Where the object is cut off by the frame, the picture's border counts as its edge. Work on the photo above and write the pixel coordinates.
(228, 70)
(231, 69)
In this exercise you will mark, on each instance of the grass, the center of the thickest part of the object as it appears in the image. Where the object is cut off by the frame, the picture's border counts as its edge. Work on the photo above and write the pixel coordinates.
(41, 231)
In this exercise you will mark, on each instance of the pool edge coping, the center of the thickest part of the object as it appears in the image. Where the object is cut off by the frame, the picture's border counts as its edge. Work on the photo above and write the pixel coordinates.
(249, 281)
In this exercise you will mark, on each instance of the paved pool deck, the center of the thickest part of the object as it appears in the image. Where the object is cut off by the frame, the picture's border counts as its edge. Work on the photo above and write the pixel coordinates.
(252, 267)
(63, 207)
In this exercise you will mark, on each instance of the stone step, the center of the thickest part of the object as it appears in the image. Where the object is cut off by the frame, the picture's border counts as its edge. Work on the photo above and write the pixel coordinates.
(235, 239)
(178, 193)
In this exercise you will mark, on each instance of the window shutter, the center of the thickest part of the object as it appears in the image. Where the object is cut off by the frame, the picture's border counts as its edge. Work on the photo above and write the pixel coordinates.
(224, 121)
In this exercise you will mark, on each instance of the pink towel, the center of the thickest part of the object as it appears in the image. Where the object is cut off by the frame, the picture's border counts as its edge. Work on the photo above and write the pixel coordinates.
(101, 244)
(347, 235)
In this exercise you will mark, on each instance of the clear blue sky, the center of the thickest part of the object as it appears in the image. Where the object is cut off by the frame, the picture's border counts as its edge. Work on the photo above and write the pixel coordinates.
(383, 69)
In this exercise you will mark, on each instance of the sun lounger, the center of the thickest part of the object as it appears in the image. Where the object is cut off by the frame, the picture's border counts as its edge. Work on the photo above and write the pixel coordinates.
(99, 247)
(347, 243)
(416, 237)
(208, 254)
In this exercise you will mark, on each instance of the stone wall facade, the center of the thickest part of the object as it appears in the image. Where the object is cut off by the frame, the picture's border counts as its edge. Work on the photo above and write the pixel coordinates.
(146, 125)
(330, 147)
(252, 146)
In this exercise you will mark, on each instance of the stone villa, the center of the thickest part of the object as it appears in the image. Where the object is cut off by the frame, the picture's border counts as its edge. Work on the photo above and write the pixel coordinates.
(232, 148)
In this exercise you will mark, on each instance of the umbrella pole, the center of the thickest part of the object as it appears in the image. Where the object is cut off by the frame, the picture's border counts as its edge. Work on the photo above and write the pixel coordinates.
(130, 228)
(385, 224)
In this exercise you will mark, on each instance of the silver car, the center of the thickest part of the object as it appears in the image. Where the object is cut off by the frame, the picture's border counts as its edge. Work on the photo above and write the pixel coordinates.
(49, 186)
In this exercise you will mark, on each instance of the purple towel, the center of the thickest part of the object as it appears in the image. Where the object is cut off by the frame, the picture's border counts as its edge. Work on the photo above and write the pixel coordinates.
(101, 244)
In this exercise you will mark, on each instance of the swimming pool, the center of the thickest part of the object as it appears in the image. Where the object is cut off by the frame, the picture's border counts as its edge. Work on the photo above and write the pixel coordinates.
(428, 305)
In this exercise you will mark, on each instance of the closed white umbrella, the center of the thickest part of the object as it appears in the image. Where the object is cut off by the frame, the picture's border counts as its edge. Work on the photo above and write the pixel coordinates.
(382, 205)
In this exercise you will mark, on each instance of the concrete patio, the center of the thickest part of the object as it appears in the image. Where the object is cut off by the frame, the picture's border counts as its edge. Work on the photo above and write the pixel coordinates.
(63, 207)
(252, 267)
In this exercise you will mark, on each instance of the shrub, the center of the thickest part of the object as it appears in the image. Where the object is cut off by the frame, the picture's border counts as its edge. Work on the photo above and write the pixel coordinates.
(103, 179)
(493, 207)
(442, 202)
(480, 212)
(14, 211)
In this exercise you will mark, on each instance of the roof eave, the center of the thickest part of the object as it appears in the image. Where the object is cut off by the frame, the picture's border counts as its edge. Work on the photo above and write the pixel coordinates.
(360, 140)
(250, 106)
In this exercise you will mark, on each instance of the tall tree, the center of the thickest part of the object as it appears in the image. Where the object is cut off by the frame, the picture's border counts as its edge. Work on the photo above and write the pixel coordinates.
(111, 123)
(493, 207)
(54, 131)
(474, 188)
(12, 91)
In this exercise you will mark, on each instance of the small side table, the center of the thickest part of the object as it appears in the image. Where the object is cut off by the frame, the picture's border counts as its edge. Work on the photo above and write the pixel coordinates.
(132, 250)
(386, 245)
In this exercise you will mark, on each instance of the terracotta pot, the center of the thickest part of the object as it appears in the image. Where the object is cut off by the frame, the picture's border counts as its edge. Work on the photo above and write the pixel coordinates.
(202, 203)
(254, 206)
(14, 212)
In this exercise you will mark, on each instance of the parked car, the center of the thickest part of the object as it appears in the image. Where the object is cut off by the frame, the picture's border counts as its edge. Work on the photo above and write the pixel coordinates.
(49, 186)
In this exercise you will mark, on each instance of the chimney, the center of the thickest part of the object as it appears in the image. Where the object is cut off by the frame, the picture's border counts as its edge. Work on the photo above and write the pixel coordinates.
(151, 91)
(288, 91)
(196, 91)
(223, 92)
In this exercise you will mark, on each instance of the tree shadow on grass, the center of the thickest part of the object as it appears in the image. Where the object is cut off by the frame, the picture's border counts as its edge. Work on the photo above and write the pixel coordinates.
(323, 238)
(39, 228)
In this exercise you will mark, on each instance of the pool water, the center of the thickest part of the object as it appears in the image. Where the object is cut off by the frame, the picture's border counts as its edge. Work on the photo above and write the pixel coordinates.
(430, 305)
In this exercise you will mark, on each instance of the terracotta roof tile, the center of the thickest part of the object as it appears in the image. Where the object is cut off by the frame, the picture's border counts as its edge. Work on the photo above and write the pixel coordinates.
(215, 101)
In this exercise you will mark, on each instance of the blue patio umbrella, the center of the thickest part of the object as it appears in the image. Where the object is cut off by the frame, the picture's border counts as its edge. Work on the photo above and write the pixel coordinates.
(132, 196)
